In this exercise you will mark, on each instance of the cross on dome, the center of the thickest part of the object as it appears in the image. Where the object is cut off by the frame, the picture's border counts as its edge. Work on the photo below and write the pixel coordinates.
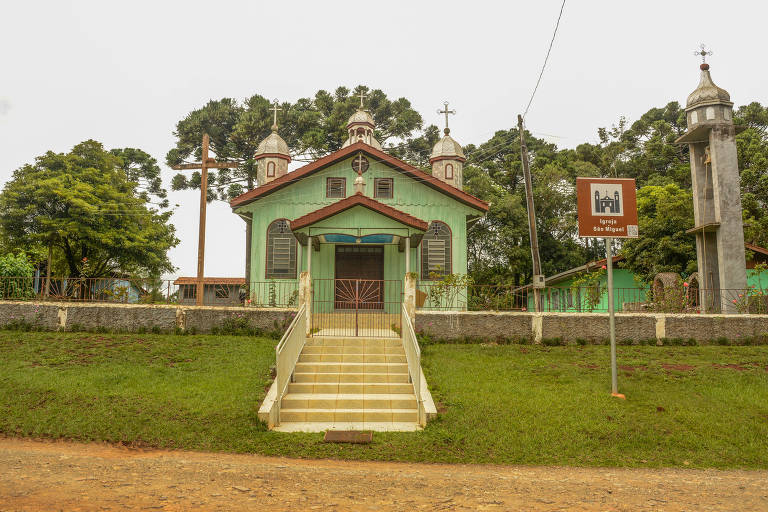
(703, 53)
(362, 97)
(446, 112)
(275, 109)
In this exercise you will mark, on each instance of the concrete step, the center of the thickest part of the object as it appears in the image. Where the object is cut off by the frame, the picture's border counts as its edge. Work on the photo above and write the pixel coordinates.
(352, 358)
(329, 341)
(340, 401)
(349, 415)
(351, 377)
(334, 387)
(321, 367)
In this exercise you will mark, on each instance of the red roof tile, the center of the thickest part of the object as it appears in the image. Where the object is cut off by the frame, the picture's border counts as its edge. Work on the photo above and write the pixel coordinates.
(358, 200)
(211, 280)
(377, 154)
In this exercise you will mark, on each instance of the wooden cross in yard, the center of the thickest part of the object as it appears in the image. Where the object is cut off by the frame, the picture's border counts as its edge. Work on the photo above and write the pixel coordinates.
(205, 164)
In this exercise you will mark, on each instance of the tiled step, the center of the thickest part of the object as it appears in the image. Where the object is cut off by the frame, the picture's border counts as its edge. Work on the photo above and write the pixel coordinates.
(351, 349)
(351, 377)
(351, 415)
(349, 401)
(352, 358)
(321, 367)
(334, 387)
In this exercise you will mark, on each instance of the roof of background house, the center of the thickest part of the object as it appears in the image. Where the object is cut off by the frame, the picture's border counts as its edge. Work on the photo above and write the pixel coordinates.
(211, 280)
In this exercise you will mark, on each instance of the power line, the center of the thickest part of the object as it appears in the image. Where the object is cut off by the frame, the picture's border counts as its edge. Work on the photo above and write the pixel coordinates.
(549, 50)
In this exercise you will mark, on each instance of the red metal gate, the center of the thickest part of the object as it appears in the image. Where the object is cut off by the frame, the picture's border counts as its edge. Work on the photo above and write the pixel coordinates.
(356, 307)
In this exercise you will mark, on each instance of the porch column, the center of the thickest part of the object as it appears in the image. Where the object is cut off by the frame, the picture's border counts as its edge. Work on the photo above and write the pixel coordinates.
(309, 255)
(407, 255)
(409, 296)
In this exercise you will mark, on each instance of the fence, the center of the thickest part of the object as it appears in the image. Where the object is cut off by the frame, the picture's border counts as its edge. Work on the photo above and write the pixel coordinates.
(438, 296)
(356, 307)
(216, 292)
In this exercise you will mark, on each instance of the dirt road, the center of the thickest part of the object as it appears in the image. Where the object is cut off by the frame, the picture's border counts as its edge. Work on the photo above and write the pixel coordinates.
(68, 476)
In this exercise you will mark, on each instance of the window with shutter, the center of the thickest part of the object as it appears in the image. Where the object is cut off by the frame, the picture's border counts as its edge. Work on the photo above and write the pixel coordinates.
(281, 251)
(382, 188)
(336, 187)
(436, 251)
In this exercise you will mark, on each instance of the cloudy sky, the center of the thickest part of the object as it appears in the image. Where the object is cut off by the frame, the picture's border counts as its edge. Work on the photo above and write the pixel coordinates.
(124, 73)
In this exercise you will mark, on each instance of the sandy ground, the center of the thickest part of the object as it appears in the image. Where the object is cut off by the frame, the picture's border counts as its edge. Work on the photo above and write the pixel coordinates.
(54, 476)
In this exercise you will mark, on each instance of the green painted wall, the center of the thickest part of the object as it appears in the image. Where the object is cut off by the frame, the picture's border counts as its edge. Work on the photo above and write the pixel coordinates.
(309, 194)
(561, 296)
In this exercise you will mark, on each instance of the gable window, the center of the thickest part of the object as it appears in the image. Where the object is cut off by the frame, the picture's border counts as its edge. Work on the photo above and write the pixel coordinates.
(436, 251)
(449, 171)
(336, 187)
(382, 188)
(271, 169)
(281, 251)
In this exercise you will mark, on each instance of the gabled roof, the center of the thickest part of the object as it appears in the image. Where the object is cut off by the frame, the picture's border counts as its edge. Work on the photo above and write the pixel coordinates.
(756, 248)
(378, 155)
(358, 200)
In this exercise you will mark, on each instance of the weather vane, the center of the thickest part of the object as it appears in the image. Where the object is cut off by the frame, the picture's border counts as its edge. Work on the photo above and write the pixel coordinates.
(703, 53)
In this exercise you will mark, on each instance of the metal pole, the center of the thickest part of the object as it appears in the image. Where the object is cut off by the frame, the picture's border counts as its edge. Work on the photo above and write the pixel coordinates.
(533, 236)
(611, 317)
(201, 233)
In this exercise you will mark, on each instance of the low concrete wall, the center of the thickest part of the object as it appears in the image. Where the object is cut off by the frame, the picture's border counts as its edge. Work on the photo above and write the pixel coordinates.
(454, 326)
(441, 325)
(136, 317)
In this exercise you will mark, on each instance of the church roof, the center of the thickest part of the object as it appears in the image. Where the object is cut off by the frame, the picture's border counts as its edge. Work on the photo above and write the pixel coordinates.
(358, 199)
(390, 161)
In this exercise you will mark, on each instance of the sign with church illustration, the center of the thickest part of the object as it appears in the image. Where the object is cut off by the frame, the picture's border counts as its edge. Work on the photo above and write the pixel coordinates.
(607, 207)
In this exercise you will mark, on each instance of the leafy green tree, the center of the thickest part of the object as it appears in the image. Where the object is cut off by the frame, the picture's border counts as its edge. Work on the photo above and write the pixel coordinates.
(16, 273)
(312, 128)
(752, 146)
(94, 208)
(664, 214)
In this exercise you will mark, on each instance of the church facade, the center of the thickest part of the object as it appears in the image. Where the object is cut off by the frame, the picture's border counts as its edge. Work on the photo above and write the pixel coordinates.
(357, 214)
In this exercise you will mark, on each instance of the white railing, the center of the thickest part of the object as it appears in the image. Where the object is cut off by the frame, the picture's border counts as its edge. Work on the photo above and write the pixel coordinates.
(287, 353)
(413, 357)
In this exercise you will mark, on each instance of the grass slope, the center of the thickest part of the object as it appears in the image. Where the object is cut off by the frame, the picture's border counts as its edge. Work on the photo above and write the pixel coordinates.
(511, 404)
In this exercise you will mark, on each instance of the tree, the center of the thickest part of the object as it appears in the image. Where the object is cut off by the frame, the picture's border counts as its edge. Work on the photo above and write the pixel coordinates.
(94, 207)
(312, 128)
(664, 214)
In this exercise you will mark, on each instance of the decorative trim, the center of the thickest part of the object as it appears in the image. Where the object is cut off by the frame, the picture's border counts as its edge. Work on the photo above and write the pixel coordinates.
(358, 200)
(438, 158)
(273, 155)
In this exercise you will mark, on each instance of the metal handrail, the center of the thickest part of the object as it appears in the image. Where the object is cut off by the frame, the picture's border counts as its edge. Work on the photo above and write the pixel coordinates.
(413, 357)
(287, 353)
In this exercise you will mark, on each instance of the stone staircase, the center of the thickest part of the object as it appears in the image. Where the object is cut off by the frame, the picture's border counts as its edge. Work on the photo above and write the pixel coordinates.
(342, 383)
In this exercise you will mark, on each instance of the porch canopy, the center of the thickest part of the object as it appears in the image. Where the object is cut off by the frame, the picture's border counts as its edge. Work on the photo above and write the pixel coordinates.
(359, 219)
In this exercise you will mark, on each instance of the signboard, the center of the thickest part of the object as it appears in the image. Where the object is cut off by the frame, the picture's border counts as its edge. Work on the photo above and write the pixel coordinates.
(607, 207)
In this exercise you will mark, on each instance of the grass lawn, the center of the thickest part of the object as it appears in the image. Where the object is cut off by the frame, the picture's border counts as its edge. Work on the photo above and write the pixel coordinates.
(512, 404)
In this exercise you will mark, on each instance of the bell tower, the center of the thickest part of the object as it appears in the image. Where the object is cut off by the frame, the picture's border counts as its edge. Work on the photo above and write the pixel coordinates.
(447, 157)
(711, 139)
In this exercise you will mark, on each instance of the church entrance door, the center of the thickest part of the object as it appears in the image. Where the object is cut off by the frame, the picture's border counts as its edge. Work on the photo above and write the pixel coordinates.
(359, 279)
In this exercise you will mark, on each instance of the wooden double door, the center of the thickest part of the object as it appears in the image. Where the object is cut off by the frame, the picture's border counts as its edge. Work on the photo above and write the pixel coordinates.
(359, 277)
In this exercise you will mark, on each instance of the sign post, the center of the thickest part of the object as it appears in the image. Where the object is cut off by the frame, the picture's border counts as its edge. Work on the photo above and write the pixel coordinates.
(607, 208)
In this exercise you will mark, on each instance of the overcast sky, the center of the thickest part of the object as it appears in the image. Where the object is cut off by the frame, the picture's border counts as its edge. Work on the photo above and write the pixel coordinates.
(124, 73)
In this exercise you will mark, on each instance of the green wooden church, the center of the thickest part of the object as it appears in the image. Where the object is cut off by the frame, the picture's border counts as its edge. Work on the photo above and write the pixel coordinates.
(357, 219)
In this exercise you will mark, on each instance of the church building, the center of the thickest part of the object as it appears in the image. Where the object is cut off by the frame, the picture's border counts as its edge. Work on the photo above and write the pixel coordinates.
(357, 215)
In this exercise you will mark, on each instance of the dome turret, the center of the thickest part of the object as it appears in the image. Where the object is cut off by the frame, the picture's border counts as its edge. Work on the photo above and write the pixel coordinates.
(272, 155)
(360, 127)
(708, 103)
(447, 156)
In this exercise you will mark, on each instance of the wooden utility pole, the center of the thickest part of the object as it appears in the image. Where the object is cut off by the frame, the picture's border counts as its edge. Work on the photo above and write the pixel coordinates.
(532, 234)
(205, 164)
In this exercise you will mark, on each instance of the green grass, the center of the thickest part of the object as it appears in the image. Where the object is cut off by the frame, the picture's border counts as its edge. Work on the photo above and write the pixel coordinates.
(507, 404)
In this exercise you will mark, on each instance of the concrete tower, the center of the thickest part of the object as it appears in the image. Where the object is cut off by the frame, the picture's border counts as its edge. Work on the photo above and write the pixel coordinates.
(272, 156)
(716, 194)
(447, 157)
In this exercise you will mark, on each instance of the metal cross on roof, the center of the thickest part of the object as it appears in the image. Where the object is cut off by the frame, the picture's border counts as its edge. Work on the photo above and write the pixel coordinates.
(274, 109)
(362, 97)
(446, 112)
(703, 52)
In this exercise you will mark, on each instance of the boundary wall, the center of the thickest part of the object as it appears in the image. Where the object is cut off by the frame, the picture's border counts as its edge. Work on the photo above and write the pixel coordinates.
(438, 325)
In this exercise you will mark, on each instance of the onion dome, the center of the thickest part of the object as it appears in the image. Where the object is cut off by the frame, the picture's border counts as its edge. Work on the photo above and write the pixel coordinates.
(707, 93)
(360, 117)
(273, 145)
(447, 148)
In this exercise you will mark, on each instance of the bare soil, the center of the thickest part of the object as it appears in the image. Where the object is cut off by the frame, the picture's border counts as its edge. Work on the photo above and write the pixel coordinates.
(44, 475)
